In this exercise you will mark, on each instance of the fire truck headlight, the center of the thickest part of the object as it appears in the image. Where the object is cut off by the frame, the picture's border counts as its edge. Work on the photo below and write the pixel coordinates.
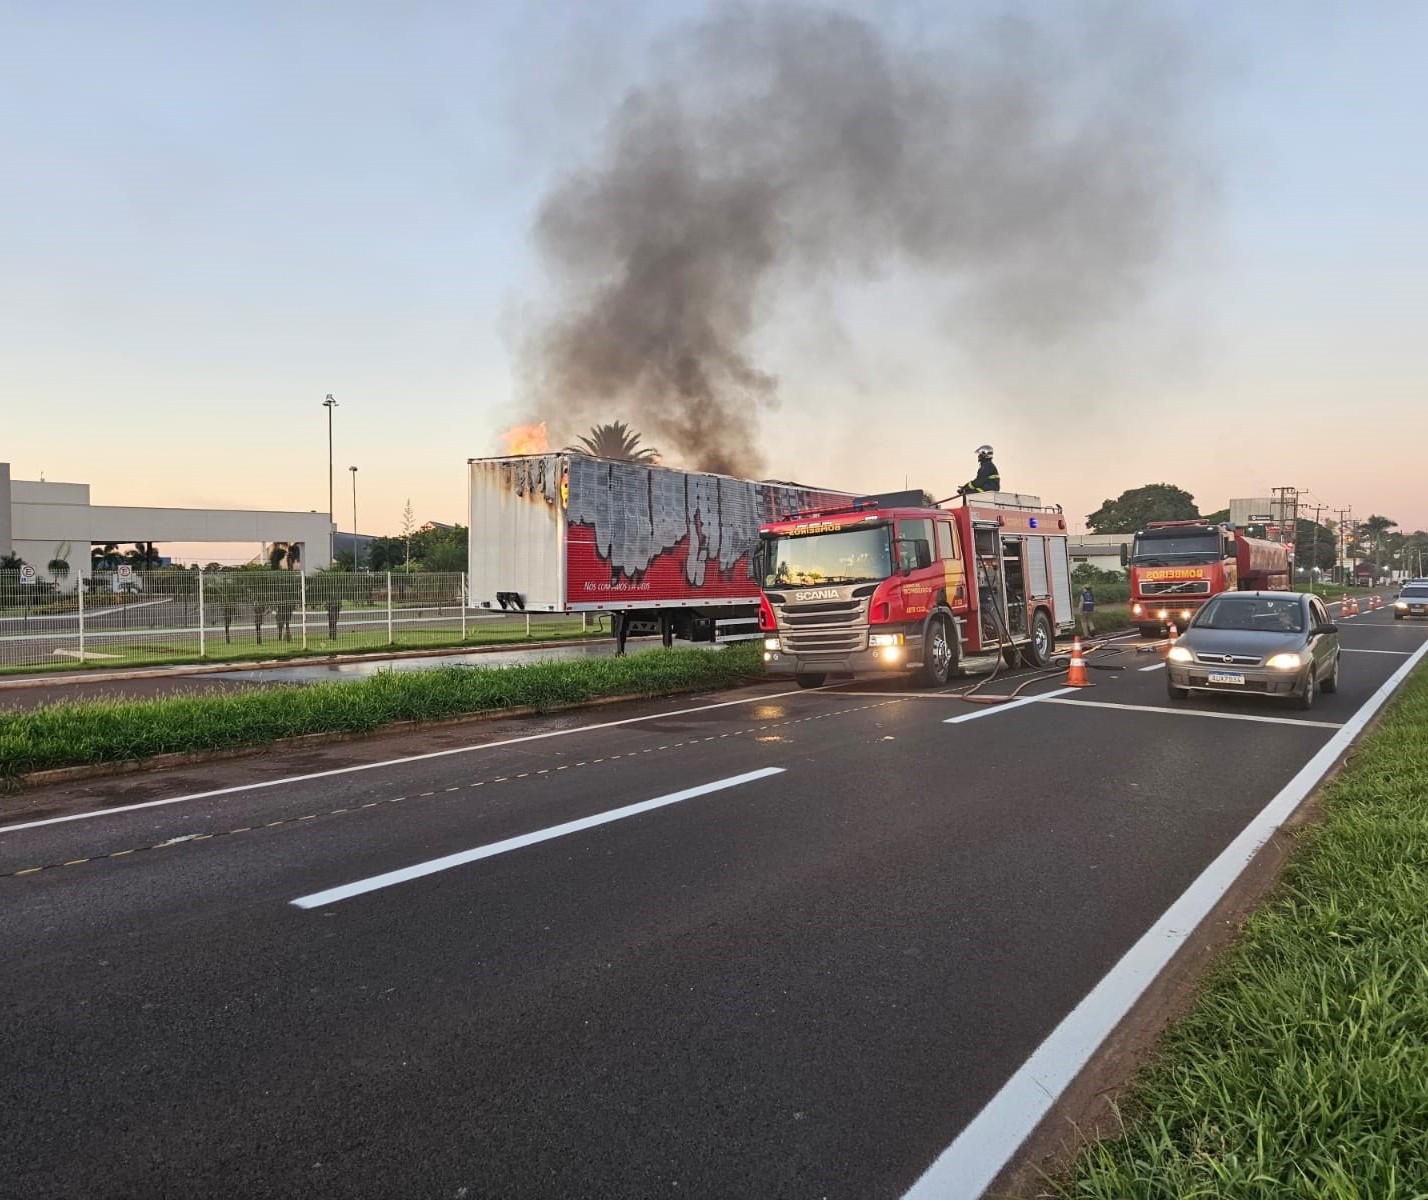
(1288, 661)
(1137, 609)
(771, 644)
(885, 639)
(1179, 654)
(892, 653)
(1184, 614)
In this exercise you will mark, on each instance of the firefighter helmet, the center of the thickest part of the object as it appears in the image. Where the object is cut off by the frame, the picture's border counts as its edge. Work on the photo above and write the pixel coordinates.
(984, 452)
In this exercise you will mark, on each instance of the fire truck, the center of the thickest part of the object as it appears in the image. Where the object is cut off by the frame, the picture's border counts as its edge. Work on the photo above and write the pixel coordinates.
(1175, 566)
(890, 586)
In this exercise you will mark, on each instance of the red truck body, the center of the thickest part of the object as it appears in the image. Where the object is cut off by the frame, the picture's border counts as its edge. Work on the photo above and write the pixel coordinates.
(660, 550)
(1176, 566)
(890, 586)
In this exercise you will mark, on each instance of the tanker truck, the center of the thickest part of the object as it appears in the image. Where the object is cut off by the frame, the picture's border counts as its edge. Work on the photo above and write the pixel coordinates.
(1175, 566)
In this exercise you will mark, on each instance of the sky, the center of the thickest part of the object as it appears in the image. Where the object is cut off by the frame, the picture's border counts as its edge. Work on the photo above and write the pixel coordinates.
(215, 215)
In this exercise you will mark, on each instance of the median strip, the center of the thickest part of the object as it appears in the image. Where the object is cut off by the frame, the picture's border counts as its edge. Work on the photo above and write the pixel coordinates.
(418, 870)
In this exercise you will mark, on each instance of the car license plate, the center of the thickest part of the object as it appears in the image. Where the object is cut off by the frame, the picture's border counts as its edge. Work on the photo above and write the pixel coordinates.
(1227, 677)
(1415, 608)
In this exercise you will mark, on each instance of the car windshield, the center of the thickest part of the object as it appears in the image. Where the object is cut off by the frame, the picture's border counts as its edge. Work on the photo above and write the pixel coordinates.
(1182, 549)
(1252, 613)
(859, 555)
(1414, 593)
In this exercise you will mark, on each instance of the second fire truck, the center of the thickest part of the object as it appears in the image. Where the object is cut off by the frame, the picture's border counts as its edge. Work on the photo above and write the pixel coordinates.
(890, 586)
(1175, 566)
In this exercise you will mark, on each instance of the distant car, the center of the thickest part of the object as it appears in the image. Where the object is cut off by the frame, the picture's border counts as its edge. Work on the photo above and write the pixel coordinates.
(1264, 643)
(1412, 600)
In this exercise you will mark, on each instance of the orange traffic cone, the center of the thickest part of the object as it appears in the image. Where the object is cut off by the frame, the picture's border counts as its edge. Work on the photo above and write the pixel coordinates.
(1076, 676)
(1354, 607)
(1170, 640)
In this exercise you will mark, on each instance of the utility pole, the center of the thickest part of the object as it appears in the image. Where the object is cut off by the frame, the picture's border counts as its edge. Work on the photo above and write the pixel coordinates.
(329, 404)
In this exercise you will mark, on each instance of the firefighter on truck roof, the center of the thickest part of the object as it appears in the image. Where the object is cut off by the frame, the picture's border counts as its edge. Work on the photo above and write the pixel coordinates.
(988, 478)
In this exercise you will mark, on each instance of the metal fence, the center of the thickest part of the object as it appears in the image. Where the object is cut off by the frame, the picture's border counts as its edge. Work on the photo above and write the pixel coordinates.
(132, 617)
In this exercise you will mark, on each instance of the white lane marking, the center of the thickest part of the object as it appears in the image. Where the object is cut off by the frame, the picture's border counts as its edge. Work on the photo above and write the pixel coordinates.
(1203, 712)
(1153, 667)
(967, 1167)
(392, 762)
(1355, 650)
(991, 710)
(391, 878)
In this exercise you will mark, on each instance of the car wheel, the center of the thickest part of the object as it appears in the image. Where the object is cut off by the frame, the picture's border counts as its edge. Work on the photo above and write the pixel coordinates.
(1304, 698)
(809, 679)
(1398, 616)
(938, 654)
(1175, 693)
(1043, 642)
(1331, 680)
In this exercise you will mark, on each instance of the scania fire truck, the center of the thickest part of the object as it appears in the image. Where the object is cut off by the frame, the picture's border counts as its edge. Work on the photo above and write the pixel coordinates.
(1175, 566)
(890, 586)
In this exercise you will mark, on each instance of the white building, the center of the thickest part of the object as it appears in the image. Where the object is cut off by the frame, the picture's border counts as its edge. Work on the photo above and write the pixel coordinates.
(39, 518)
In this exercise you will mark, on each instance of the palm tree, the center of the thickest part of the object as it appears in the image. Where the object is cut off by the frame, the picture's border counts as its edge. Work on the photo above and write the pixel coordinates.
(104, 557)
(615, 440)
(1374, 529)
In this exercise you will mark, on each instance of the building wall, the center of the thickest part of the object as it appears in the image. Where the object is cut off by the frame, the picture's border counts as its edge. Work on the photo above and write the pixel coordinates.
(37, 517)
(7, 532)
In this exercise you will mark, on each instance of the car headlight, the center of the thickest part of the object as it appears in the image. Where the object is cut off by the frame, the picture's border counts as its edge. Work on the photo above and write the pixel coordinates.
(1288, 661)
(885, 639)
(1179, 654)
(771, 643)
(1400, 604)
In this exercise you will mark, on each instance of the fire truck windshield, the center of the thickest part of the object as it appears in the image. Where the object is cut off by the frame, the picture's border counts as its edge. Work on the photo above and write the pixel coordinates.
(859, 555)
(1175, 549)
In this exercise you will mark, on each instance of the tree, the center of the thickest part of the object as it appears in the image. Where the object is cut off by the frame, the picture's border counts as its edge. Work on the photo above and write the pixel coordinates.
(615, 440)
(1314, 546)
(105, 556)
(58, 566)
(1373, 530)
(1135, 508)
(11, 562)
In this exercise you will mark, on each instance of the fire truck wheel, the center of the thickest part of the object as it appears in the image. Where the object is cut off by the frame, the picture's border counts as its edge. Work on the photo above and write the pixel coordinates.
(938, 656)
(809, 679)
(1043, 641)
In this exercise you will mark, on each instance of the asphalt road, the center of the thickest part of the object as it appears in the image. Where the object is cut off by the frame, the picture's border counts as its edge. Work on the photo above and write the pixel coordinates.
(751, 945)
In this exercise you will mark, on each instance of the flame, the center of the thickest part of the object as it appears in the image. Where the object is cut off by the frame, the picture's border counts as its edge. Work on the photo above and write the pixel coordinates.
(526, 439)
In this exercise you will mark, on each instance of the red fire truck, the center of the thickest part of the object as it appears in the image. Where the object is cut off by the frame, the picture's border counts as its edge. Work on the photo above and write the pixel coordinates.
(1175, 566)
(889, 586)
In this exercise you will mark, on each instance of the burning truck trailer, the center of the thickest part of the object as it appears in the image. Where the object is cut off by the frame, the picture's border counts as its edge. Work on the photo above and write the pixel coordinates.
(660, 551)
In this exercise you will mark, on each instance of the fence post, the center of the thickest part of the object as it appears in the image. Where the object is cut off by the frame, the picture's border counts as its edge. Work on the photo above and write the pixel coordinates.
(465, 600)
(389, 608)
(81, 617)
(302, 604)
(528, 626)
(202, 642)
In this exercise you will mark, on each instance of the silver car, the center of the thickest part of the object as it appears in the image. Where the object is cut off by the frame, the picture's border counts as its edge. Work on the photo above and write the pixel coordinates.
(1265, 643)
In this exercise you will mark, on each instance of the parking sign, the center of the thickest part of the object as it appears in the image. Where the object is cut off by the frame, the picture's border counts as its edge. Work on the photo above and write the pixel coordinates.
(27, 574)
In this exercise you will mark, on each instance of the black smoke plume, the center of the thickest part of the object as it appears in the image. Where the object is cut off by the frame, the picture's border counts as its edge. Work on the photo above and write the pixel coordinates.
(1033, 168)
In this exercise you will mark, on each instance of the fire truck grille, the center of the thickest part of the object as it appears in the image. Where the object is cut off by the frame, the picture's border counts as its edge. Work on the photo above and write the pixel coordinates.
(1196, 587)
(838, 627)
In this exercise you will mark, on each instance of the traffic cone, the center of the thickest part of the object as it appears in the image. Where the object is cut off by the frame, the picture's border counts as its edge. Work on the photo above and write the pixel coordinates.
(1076, 676)
(1354, 607)
(1170, 640)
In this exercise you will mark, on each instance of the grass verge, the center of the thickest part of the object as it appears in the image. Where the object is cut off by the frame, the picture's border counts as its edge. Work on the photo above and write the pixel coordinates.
(66, 735)
(1303, 1069)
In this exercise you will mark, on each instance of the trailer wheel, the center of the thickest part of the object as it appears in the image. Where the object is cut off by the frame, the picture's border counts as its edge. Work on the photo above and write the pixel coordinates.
(1043, 641)
(809, 679)
(938, 655)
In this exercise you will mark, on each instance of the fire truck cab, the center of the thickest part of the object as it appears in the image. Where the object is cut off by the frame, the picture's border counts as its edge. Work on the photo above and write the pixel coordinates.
(889, 586)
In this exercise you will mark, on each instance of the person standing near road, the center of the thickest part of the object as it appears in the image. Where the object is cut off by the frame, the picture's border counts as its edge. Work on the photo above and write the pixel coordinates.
(1088, 611)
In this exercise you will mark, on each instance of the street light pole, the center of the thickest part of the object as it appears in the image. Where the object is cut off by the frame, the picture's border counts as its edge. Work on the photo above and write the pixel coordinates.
(354, 517)
(329, 404)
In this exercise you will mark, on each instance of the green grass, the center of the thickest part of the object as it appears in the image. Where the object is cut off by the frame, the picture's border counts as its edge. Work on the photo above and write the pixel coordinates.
(1303, 1070)
(71, 734)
